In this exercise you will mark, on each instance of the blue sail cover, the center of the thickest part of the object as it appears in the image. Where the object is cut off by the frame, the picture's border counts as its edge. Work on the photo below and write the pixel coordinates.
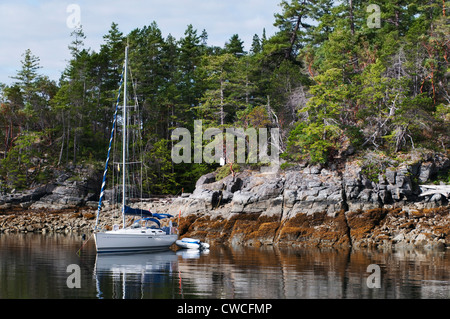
(137, 212)
(153, 220)
(162, 216)
(144, 213)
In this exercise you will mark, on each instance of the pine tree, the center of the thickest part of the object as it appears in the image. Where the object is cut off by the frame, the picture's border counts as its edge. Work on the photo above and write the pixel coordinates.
(235, 46)
(292, 23)
(147, 75)
(28, 74)
(191, 49)
(77, 44)
(226, 92)
(27, 77)
(256, 45)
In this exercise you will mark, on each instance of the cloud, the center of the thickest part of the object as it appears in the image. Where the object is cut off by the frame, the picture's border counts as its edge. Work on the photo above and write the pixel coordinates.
(41, 25)
(36, 26)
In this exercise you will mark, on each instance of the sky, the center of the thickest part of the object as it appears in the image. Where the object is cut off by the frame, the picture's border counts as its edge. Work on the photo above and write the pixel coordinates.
(45, 26)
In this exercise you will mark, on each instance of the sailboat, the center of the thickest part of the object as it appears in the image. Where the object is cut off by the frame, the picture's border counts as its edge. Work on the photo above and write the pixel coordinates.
(139, 236)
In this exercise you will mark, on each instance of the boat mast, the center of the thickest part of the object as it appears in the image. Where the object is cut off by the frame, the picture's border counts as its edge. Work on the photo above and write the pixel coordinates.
(124, 149)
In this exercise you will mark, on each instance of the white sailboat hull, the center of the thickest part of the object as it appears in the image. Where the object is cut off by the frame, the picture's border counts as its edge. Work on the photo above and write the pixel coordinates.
(133, 240)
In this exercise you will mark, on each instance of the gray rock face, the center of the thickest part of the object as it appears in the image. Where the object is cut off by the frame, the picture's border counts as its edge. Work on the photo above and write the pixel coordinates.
(313, 189)
(64, 193)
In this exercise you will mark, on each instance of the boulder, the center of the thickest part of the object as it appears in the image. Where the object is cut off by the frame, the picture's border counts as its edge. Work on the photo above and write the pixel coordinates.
(206, 179)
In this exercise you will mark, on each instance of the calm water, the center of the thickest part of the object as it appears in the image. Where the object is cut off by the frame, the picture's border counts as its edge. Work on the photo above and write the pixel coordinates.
(36, 266)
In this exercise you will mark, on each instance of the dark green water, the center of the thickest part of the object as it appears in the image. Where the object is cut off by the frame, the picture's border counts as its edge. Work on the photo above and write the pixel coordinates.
(34, 266)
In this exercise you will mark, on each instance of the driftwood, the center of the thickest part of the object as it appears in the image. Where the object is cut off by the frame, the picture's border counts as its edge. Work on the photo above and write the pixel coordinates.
(435, 189)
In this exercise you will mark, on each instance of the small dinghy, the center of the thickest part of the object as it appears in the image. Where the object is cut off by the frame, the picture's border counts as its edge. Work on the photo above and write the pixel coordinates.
(190, 243)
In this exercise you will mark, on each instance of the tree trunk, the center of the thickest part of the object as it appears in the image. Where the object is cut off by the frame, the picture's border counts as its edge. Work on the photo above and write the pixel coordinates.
(351, 18)
(222, 115)
(293, 38)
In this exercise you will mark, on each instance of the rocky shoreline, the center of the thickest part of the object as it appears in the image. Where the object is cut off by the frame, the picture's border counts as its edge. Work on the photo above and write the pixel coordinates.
(304, 206)
(320, 207)
(376, 228)
(78, 220)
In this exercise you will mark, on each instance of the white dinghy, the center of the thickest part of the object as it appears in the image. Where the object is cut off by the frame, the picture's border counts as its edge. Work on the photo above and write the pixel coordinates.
(191, 243)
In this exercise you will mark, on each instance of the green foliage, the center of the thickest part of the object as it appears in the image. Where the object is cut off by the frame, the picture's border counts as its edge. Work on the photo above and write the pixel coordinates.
(372, 172)
(19, 166)
(226, 170)
(374, 165)
(254, 116)
(311, 141)
(325, 79)
(227, 87)
(442, 177)
(235, 46)
(188, 174)
(382, 88)
(159, 169)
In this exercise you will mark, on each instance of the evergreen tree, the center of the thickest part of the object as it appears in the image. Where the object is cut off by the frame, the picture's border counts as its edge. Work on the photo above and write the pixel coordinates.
(27, 75)
(226, 89)
(235, 46)
(191, 49)
(256, 45)
(293, 25)
(27, 79)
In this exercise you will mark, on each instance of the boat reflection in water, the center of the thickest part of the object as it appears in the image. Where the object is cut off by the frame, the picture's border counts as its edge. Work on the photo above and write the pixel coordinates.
(192, 253)
(134, 276)
(155, 275)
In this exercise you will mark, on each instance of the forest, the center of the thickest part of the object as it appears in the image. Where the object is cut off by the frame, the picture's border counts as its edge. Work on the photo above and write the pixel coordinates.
(339, 78)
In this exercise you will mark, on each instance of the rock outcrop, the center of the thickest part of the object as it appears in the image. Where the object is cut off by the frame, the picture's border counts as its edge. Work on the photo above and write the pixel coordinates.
(318, 206)
(68, 191)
